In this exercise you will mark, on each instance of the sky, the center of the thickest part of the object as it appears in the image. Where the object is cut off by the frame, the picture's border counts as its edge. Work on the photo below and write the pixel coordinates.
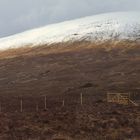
(21, 15)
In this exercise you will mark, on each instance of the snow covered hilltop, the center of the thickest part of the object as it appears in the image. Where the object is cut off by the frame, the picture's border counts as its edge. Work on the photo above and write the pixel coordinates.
(118, 25)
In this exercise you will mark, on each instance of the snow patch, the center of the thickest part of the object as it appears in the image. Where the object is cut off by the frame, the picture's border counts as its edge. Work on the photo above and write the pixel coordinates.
(121, 25)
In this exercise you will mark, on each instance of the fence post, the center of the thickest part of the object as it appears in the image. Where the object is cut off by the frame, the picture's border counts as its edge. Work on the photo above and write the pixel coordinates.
(81, 99)
(37, 108)
(21, 105)
(0, 107)
(118, 98)
(63, 103)
(45, 103)
(108, 97)
(129, 98)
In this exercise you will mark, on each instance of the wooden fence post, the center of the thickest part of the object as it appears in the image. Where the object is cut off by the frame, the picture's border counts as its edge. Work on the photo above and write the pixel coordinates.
(0, 107)
(37, 108)
(118, 98)
(129, 97)
(45, 103)
(21, 105)
(63, 103)
(81, 99)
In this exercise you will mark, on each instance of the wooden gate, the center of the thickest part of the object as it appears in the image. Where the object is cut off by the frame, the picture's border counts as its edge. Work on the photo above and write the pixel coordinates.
(120, 98)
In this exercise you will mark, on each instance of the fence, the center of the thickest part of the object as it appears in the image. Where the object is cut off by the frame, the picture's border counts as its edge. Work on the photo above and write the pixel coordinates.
(120, 98)
(38, 103)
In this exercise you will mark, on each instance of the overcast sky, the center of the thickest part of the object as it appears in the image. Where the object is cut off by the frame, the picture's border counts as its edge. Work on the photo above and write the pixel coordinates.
(20, 15)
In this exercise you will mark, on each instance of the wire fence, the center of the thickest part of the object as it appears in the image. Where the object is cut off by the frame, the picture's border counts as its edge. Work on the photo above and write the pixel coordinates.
(39, 103)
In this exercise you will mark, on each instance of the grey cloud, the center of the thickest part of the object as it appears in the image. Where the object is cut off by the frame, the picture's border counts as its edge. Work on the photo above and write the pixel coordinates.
(17, 16)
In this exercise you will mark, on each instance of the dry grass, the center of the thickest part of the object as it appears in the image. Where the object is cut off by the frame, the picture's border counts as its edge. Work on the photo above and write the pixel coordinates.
(68, 47)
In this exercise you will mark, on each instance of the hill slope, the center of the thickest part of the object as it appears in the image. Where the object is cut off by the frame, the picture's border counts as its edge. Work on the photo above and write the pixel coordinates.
(119, 25)
(64, 70)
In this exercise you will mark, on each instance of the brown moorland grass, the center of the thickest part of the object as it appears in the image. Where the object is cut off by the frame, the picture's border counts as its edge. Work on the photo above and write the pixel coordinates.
(63, 71)
(125, 45)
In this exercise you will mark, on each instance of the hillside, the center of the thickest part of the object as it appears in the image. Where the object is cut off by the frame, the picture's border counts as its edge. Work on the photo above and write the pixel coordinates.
(62, 72)
(60, 66)
(55, 69)
(119, 25)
